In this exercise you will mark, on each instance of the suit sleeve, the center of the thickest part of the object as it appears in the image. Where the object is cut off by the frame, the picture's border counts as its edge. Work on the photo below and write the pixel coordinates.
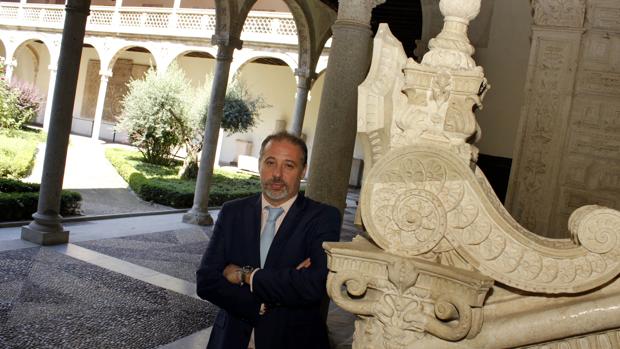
(305, 287)
(212, 286)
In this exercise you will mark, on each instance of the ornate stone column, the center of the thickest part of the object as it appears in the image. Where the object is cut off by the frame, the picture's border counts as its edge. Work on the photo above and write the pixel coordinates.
(103, 88)
(305, 80)
(46, 228)
(334, 139)
(50, 96)
(543, 134)
(199, 213)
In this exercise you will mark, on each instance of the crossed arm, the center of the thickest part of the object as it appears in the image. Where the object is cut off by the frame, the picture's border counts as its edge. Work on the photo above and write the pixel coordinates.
(218, 280)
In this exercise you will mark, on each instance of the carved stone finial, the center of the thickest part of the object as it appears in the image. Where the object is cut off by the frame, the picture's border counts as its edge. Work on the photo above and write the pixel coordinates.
(451, 48)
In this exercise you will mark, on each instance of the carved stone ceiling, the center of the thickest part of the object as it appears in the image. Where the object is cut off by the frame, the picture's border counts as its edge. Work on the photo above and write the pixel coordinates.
(403, 16)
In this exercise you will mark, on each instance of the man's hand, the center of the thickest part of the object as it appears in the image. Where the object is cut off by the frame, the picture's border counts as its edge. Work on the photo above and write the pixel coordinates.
(232, 273)
(305, 264)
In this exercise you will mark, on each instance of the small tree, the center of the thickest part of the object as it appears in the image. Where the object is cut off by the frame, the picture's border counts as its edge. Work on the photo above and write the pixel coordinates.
(241, 113)
(155, 114)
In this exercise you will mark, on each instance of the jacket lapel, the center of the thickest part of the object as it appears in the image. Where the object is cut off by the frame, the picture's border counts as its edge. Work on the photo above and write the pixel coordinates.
(255, 211)
(286, 229)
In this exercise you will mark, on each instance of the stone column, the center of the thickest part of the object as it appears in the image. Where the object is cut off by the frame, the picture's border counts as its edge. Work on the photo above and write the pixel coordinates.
(46, 228)
(50, 95)
(9, 66)
(304, 83)
(336, 128)
(103, 88)
(199, 213)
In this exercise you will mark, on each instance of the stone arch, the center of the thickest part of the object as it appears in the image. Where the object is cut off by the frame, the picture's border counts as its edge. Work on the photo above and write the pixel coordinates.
(244, 57)
(32, 60)
(230, 17)
(313, 21)
(278, 97)
(128, 62)
(197, 65)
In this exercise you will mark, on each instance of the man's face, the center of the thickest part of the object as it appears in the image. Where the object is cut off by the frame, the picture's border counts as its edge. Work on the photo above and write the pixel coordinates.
(281, 170)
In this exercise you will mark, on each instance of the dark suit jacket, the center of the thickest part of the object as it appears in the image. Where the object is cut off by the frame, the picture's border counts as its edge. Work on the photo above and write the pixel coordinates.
(293, 297)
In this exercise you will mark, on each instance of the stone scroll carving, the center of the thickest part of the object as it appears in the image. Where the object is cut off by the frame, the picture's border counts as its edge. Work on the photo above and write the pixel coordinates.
(439, 236)
(404, 299)
(424, 201)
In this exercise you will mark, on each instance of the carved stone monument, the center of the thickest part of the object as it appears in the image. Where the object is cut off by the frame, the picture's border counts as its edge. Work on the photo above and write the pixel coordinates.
(444, 264)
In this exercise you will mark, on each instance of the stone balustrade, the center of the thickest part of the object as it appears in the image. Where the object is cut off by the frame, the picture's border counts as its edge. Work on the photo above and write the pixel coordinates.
(267, 27)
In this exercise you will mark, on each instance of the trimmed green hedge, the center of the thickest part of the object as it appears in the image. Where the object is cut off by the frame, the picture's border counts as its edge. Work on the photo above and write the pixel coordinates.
(161, 184)
(18, 149)
(18, 200)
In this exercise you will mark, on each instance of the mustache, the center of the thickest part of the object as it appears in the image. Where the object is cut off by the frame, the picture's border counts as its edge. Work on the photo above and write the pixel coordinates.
(275, 181)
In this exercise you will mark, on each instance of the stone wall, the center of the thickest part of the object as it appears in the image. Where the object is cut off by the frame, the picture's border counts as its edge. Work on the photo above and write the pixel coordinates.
(568, 146)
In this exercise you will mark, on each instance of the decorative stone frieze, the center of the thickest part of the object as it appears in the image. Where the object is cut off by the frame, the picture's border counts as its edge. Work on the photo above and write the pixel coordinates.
(559, 13)
(567, 152)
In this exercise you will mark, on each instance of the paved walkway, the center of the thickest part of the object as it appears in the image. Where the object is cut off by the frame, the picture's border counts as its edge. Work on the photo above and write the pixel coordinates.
(118, 283)
(88, 172)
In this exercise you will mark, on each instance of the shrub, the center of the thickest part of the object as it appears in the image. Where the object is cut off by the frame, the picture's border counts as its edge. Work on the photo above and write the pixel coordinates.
(155, 114)
(162, 185)
(19, 200)
(18, 149)
(28, 102)
(19, 102)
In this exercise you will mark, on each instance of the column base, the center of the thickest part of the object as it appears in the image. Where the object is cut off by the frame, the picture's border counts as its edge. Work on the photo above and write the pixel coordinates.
(197, 218)
(44, 235)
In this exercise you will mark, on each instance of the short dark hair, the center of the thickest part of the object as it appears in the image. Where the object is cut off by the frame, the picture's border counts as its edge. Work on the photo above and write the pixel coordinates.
(285, 136)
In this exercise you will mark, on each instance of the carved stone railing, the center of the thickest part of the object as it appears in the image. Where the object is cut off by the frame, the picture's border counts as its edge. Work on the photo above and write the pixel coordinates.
(268, 27)
(440, 240)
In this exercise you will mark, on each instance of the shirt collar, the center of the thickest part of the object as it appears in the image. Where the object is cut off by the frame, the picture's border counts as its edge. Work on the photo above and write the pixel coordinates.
(285, 206)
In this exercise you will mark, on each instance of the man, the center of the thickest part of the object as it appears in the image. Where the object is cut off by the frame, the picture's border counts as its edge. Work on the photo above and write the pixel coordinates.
(269, 287)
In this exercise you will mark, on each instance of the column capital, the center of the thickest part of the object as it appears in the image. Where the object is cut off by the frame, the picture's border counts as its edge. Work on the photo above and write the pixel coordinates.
(356, 11)
(225, 39)
(105, 73)
(304, 77)
(78, 6)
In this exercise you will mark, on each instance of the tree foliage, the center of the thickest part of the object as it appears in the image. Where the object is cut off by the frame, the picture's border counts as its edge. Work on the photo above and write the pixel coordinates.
(240, 115)
(155, 114)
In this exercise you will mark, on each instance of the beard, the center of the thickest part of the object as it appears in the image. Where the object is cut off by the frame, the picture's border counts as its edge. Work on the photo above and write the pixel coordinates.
(275, 195)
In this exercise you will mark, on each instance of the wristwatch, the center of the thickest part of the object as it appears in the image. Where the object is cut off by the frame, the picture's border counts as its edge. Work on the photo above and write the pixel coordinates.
(243, 273)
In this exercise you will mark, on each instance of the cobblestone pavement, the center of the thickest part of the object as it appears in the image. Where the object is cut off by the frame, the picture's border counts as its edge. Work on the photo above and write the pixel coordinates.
(50, 300)
(175, 253)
